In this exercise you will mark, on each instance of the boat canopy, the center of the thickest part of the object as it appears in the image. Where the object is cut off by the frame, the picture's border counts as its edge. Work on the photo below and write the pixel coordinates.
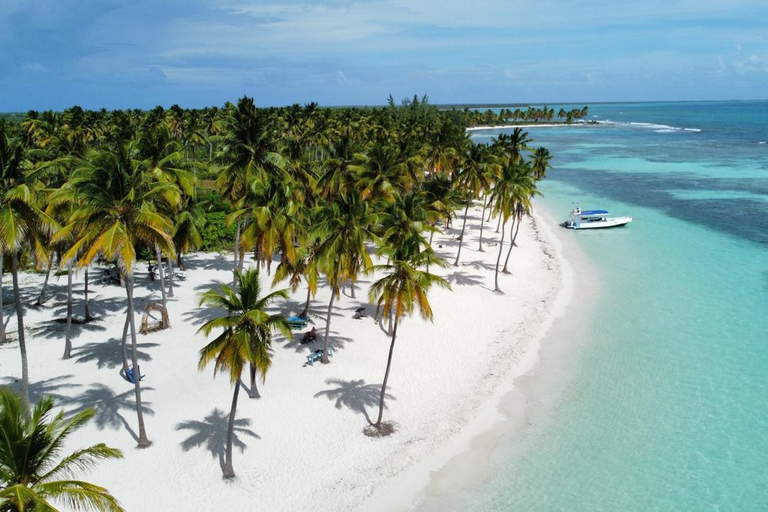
(594, 212)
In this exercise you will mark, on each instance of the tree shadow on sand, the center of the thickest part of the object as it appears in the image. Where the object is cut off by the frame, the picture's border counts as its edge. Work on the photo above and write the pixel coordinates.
(106, 354)
(43, 388)
(108, 407)
(355, 395)
(461, 278)
(211, 433)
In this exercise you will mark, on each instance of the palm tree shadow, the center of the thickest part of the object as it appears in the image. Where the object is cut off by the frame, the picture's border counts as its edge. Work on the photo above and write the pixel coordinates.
(108, 407)
(201, 315)
(354, 394)
(107, 354)
(211, 433)
(461, 278)
(43, 388)
(334, 341)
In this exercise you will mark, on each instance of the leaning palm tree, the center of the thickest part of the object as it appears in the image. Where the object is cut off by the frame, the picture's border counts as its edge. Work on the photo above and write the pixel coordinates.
(32, 477)
(246, 337)
(21, 222)
(478, 168)
(117, 211)
(403, 289)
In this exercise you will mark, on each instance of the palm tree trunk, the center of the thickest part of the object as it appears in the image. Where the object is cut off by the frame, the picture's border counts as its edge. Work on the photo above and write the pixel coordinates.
(143, 440)
(431, 234)
(490, 210)
(41, 299)
(517, 230)
(87, 311)
(386, 376)
(2, 316)
(237, 253)
(123, 348)
(482, 224)
(304, 313)
(352, 287)
(179, 261)
(498, 225)
(498, 259)
(170, 276)
(324, 359)
(20, 320)
(161, 273)
(461, 236)
(228, 470)
(68, 339)
(253, 392)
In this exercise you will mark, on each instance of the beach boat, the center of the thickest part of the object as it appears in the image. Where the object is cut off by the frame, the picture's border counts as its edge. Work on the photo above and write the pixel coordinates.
(591, 219)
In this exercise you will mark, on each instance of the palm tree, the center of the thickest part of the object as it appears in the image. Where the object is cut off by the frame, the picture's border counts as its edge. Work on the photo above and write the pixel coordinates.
(116, 212)
(344, 228)
(521, 196)
(31, 473)
(248, 151)
(478, 167)
(20, 221)
(403, 289)
(504, 195)
(540, 162)
(246, 337)
(514, 144)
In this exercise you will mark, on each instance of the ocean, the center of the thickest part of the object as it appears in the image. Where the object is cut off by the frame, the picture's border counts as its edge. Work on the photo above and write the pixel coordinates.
(665, 407)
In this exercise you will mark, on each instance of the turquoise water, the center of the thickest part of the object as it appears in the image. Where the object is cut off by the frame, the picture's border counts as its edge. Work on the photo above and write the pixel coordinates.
(668, 407)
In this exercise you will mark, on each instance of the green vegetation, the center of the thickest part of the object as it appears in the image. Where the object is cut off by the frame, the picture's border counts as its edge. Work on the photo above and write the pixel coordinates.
(311, 191)
(32, 475)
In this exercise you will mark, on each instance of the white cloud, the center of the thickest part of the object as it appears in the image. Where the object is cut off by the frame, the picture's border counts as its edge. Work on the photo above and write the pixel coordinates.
(35, 67)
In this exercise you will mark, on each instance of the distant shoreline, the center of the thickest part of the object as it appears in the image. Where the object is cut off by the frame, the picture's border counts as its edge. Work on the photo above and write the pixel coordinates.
(536, 125)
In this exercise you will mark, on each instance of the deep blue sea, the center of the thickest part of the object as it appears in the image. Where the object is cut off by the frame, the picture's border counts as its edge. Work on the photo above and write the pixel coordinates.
(667, 409)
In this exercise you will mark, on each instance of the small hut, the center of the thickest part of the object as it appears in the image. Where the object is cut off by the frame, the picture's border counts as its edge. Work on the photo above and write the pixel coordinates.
(150, 323)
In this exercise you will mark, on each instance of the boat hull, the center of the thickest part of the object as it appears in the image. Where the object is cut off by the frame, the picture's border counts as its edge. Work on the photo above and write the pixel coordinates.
(601, 224)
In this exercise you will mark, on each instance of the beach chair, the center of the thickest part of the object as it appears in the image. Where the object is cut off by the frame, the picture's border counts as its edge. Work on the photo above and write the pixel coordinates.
(296, 322)
(180, 275)
(129, 375)
(317, 355)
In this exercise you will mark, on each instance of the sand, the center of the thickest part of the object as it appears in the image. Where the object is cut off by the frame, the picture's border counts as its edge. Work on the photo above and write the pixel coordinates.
(300, 446)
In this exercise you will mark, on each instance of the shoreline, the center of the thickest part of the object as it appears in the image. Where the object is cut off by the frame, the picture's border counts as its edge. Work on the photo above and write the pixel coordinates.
(504, 412)
(537, 125)
(308, 423)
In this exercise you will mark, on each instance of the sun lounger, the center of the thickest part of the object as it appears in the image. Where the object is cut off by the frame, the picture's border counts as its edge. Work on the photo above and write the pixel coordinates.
(296, 322)
(317, 355)
(129, 375)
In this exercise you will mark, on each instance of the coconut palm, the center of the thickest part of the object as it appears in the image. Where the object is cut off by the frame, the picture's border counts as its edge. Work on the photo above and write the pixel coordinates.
(32, 476)
(514, 144)
(478, 167)
(21, 221)
(403, 289)
(246, 337)
(540, 162)
(248, 151)
(344, 228)
(521, 197)
(117, 210)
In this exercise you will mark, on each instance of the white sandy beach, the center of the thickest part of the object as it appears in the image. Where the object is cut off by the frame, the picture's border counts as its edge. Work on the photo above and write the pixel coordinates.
(300, 445)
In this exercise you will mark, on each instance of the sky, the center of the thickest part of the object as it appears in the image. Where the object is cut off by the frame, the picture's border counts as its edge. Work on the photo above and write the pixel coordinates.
(194, 53)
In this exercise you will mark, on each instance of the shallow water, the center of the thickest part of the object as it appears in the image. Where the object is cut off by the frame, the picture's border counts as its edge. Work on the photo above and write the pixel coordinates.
(666, 408)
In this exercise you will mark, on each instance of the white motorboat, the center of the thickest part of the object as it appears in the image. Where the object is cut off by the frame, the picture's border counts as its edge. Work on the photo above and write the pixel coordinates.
(592, 219)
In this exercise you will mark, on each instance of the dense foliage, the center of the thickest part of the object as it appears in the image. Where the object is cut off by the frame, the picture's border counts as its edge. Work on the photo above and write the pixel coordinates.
(305, 189)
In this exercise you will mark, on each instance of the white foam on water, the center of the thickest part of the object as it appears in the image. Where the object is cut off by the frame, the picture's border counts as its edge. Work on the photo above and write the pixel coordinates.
(762, 142)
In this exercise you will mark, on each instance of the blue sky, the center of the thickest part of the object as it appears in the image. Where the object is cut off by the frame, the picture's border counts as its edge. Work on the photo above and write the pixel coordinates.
(141, 53)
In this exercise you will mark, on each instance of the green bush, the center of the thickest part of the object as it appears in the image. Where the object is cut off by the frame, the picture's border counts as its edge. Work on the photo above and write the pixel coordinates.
(216, 235)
